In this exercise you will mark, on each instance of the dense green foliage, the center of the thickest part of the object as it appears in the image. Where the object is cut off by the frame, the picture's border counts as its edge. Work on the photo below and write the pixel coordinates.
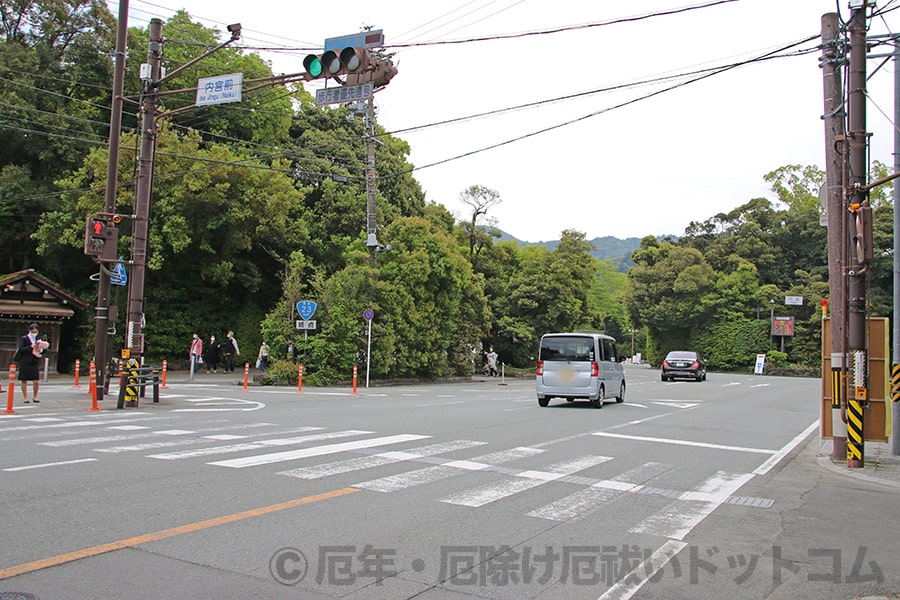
(259, 205)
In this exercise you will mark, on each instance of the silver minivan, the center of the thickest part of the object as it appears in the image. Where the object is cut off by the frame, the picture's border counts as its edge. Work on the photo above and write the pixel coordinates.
(579, 365)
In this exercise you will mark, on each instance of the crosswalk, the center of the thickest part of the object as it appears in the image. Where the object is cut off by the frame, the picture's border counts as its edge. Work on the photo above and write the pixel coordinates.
(314, 452)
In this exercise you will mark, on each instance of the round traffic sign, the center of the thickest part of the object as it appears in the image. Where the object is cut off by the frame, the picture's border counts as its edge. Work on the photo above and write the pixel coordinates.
(368, 314)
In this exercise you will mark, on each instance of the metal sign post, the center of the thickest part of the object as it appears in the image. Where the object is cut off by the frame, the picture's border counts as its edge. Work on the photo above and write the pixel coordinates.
(367, 315)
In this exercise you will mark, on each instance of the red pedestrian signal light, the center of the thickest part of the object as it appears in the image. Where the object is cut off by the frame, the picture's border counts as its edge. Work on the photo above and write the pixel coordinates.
(101, 238)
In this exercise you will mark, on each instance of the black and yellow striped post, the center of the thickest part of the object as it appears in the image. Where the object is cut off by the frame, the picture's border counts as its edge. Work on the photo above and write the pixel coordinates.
(856, 441)
(895, 403)
(895, 383)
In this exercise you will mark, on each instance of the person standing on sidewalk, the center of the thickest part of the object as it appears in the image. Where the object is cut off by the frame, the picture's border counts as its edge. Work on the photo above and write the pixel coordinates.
(262, 360)
(211, 354)
(28, 356)
(229, 349)
(196, 353)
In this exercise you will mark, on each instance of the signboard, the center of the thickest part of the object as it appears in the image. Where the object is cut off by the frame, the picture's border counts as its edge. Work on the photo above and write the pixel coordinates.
(344, 93)
(219, 89)
(760, 368)
(363, 39)
(368, 314)
(119, 276)
(306, 309)
(306, 324)
(783, 326)
(793, 300)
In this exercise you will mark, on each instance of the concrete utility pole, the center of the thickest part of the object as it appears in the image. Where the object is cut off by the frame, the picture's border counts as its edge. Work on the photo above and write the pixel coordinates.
(140, 225)
(858, 207)
(102, 318)
(832, 61)
(895, 367)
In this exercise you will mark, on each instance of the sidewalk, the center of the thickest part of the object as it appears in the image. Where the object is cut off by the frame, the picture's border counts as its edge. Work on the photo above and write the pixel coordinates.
(880, 465)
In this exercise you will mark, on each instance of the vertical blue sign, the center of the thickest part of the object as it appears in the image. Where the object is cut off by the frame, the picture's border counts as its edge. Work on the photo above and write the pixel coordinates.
(306, 309)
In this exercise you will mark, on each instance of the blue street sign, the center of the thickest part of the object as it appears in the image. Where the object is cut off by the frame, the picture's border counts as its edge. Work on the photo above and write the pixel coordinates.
(306, 309)
(368, 314)
(119, 276)
(363, 39)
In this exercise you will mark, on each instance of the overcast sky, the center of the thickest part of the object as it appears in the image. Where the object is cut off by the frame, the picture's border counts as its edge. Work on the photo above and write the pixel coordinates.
(623, 158)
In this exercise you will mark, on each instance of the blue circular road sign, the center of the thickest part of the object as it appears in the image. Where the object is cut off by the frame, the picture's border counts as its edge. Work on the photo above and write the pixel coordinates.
(368, 314)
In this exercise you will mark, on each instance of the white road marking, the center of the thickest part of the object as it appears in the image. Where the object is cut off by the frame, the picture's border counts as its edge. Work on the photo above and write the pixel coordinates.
(256, 445)
(525, 480)
(252, 461)
(53, 464)
(377, 460)
(640, 438)
(677, 519)
(410, 479)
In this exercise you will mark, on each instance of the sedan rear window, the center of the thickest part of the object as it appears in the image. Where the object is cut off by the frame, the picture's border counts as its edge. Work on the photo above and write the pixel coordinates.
(682, 356)
(573, 348)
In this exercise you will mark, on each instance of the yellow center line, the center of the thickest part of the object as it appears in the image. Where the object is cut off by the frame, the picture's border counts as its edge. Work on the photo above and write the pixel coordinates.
(131, 542)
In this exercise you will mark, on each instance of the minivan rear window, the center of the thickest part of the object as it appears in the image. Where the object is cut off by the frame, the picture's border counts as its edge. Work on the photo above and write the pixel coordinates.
(569, 348)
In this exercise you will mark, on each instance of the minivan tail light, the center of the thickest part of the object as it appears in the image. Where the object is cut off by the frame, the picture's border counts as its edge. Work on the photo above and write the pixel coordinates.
(595, 368)
(540, 369)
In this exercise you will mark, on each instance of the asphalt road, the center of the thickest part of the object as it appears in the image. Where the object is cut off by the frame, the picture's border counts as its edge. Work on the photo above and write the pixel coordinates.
(454, 491)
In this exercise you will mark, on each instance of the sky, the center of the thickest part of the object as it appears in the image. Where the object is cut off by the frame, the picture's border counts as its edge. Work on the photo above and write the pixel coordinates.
(605, 147)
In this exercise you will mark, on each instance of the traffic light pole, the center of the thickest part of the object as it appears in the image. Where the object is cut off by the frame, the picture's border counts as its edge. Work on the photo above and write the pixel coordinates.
(371, 179)
(101, 319)
(858, 198)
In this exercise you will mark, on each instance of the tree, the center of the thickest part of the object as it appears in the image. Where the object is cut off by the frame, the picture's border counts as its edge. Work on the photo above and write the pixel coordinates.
(478, 229)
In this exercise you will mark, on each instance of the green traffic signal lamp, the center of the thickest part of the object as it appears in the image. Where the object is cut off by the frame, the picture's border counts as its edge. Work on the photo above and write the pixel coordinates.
(313, 65)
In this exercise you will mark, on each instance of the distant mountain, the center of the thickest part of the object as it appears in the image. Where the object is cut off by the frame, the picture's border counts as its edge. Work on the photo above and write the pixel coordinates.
(616, 250)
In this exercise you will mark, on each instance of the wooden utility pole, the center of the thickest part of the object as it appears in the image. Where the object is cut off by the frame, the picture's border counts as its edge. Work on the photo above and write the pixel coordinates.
(832, 61)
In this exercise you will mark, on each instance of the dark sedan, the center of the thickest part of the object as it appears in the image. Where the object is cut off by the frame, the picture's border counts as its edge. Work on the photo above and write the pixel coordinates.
(684, 364)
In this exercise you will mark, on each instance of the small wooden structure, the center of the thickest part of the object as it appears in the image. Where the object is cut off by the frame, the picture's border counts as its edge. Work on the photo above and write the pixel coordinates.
(26, 297)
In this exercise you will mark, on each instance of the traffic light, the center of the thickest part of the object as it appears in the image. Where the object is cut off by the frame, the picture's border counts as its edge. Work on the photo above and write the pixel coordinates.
(348, 61)
(101, 238)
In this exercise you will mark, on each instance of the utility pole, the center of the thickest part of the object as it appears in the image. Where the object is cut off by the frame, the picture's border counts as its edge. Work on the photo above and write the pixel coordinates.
(858, 209)
(140, 225)
(832, 60)
(101, 319)
(895, 367)
(371, 181)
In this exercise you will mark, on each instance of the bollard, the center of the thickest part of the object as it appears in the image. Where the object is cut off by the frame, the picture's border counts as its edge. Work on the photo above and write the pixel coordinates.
(92, 381)
(355, 368)
(246, 375)
(92, 385)
(77, 372)
(9, 393)
(300, 378)
(165, 368)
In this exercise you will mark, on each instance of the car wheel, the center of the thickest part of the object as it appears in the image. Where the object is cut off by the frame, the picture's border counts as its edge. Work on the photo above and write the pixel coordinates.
(704, 376)
(598, 403)
(662, 378)
(699, 377)
(621, 397)
(543, 401)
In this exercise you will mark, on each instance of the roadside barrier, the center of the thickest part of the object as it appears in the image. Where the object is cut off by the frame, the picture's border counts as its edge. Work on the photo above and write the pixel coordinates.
(246, 375)
(355, 369)
(165, 369)
(77, 372)
(137, 381)
(92, 385)
(11, 391)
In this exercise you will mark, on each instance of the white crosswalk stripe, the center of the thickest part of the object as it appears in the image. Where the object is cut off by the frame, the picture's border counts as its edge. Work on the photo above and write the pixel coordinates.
(258, 444)
(678, 518)
(377, 460)
(592, 498)
(525, 480)
(263, 459)
(417, 477)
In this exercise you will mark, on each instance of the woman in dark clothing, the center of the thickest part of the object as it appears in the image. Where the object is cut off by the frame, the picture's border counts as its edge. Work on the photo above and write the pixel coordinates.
(29, 354)
(211, 355)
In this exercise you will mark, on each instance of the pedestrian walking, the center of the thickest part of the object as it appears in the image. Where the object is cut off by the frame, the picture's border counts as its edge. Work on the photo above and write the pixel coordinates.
(262, 359)
(28, 356)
